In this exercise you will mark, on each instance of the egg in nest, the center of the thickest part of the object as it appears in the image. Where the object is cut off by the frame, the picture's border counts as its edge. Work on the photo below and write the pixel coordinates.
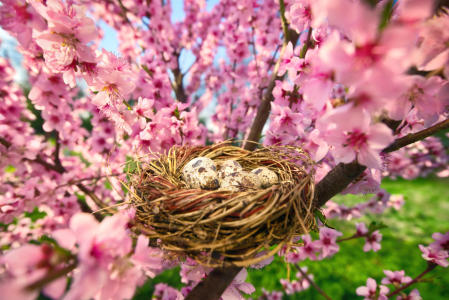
(241, 181)
(228, 167)
(266, 176)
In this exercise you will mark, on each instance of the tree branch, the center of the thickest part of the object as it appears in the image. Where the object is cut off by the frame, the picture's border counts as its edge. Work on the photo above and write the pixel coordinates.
(177, 86)
(214, 285)
(418, 136)
(50, 277)
(343, 174)
(61, 170)
(263, 111)
(430, 267)
(304, 274)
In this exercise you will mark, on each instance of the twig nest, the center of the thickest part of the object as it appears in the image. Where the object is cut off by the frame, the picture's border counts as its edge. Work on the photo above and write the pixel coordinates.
(241, 181)
(266, 176)
(228, 167)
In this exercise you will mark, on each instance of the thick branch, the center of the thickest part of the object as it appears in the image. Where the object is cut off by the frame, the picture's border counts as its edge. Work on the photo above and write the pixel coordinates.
(336, 181)
(214, 285)
(177, 86)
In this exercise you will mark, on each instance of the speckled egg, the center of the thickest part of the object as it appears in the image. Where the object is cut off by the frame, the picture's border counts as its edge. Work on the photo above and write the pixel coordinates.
(241, 181)
(266, 176)
(197, 163)
(202, 178)
(228, 167)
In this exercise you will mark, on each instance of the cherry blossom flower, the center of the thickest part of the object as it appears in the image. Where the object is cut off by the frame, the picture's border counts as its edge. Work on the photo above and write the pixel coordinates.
(396, 201)
(238, 284)
(20, 18)
(414, 295)
(327, 242)
(373, 242)
(361, 229)
(436, 256)
(441, 241)
(369, 291)
(309, 249)
(396, 278)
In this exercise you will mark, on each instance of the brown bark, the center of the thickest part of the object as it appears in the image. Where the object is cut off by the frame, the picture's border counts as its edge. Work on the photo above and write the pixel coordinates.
(214, 285)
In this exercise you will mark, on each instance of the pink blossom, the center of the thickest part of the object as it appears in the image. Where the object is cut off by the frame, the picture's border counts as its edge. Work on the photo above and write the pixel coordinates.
(144, 109)
(441, 241)
(436, 256)
(373, 242)
(369, 291)
(396, 278)
(19, 18)
(421, 94)
(309, 249)
(327, 242)
(361, 229)
(287, 60)
(237, 285)
(396, 201)
(285, 120)
(162, 291)
(112, 89)
(301, 15)
(414, 295)
(264, 262)
(357, 138)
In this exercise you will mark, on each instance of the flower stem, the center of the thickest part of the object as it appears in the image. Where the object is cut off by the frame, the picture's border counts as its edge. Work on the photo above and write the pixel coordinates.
(51, 276)
(430, 267)
(304, 274)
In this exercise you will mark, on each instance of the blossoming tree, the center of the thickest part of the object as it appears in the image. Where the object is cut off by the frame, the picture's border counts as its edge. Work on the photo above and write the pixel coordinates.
(361, 84)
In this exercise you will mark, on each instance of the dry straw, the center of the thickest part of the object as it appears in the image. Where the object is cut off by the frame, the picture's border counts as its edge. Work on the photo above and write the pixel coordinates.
(207, 225)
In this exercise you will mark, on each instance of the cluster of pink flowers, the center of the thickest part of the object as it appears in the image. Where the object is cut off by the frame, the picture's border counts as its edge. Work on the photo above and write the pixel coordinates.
(326, 246)
(296, 286)
(107, 264)
(438, 251)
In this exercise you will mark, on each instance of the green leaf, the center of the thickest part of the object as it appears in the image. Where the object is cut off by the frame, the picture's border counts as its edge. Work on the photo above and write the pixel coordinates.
(319, 214)
(35, 214)
(176, 112)
(10, 169)
(386, 15)
(431, 280)
(374, 226)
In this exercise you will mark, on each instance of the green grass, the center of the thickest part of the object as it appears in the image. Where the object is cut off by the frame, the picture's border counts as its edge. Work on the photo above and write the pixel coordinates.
(426, 211)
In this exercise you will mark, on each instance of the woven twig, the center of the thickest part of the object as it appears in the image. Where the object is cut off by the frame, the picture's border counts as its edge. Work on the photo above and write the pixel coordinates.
(198, 223)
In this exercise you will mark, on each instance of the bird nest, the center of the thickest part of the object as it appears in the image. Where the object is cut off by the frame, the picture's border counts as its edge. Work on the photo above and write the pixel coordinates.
(209, 225)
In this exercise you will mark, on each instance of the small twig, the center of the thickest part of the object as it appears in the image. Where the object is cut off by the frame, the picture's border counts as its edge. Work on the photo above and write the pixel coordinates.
(254, 51)
(415, 137)
(304, 274)
(307, 44)
(430, 267)
(284, 20)
(57, 149)
(89, 178)
(50, 277)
